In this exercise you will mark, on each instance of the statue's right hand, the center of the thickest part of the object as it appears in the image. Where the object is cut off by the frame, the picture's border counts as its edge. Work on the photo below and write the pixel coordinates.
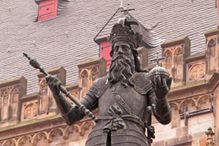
(54, 84)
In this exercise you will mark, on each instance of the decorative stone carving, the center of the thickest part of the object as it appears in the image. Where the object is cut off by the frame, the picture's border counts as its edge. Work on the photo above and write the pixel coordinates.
(55, 133)
(212, 55)
(30, 110)
(75, 93)
(67, 131)
(85, 82)
(94, 73)
(46, 101)
(196, 71)
(10, 93)
(81, 128)
(14, 103)
(174, 63)
(10, 142)
(50, 136)
(175, 115)
(45, 97)
(24, 140)
(204, 102)
(189, 104)
(5, 104)
(88, 72)
(175, 53)
(40, 138)
(84, 78)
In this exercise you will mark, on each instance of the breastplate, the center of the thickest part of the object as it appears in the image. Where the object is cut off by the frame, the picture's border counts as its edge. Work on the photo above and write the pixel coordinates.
(126, 98)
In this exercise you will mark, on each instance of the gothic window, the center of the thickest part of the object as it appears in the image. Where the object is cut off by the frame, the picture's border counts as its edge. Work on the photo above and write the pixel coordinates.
(178, 64)
(43, 97)
(14, 99)
(211, 52)
(168, 61)
(84, 78)
(5, 105)
(94, 73)
(211, 47)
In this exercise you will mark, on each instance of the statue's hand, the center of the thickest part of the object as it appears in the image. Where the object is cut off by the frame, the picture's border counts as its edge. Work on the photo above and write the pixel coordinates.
(54, 84)
(161, 85)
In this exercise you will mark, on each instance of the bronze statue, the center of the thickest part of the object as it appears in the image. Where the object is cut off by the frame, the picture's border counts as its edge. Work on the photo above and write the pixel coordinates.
(125, 97)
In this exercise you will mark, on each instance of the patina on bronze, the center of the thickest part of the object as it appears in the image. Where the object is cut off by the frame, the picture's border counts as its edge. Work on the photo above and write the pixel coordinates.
(126, 96)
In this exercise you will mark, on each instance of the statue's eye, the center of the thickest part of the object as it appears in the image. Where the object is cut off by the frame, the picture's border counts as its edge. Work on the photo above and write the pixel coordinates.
(125, 48)
(117, 48)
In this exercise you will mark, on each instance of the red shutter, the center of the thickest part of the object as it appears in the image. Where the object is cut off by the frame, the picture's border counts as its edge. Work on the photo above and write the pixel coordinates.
(47, 9)
(105, 48)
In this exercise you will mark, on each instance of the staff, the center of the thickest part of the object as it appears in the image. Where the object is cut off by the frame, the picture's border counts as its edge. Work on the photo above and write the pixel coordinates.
(35, 64)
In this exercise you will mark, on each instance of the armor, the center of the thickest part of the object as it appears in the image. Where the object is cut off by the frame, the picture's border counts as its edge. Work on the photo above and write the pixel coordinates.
(123, 111)
(126, 97)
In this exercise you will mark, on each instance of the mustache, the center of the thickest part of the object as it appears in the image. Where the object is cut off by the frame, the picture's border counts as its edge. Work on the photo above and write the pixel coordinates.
(122, 57)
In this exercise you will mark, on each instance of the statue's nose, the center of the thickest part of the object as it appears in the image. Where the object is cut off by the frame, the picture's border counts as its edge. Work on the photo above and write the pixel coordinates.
(120, 50)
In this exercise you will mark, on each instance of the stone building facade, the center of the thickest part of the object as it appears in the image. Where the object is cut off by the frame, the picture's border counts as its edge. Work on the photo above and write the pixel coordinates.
(28, 113)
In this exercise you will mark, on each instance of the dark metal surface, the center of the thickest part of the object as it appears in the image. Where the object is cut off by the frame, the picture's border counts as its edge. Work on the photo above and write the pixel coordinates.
(126, 97)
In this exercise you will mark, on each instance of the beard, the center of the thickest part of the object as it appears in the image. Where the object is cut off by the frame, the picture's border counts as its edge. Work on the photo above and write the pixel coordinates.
(121, 69)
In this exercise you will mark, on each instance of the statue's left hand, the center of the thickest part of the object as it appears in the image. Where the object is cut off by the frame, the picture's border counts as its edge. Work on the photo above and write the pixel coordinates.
(161, 85)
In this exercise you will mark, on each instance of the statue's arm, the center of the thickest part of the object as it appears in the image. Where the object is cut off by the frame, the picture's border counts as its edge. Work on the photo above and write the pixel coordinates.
(69, 112)
(72, 114)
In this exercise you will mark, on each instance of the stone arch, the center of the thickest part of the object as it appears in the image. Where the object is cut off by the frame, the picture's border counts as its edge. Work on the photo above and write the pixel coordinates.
(55, 133)
(94, 72)
(212, 58)
(24, 140)
(190, 104)
(178, 51)
(174, 105)
(168, 58)
(43, 96)
(9, 142)
(67, 131)
(175, 114)
(85, 126)
(84, 74)
(211, 43)
(14, 102)
(203, 102)
(38, 137)
(5, 104)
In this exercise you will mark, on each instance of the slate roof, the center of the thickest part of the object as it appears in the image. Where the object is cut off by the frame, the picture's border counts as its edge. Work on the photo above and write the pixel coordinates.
(68, 39)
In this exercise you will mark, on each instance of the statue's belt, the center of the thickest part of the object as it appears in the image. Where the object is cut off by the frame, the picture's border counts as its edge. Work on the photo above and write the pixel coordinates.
(119, 122)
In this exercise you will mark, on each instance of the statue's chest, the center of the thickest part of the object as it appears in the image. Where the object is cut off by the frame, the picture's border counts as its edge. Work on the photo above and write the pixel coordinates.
(125, 97)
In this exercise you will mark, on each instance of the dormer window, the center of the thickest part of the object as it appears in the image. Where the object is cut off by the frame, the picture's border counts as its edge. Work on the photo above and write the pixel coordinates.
(105, 48)
(49, 9)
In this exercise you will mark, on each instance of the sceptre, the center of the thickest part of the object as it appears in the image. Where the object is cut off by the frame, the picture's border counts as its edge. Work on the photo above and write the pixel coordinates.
(36, 65)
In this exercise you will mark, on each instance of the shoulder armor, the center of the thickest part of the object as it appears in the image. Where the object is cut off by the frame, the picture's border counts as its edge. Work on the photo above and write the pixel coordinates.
(99, 87)
(142, 84)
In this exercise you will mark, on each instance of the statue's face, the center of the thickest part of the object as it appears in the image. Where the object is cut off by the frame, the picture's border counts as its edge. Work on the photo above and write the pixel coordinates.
(122, 66)
(122, 48)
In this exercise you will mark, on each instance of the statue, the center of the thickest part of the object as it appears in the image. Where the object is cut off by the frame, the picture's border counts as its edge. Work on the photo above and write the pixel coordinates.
(126, 96)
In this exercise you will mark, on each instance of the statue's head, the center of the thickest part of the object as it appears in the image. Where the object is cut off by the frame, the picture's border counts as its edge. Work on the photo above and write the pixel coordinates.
(124, 52)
